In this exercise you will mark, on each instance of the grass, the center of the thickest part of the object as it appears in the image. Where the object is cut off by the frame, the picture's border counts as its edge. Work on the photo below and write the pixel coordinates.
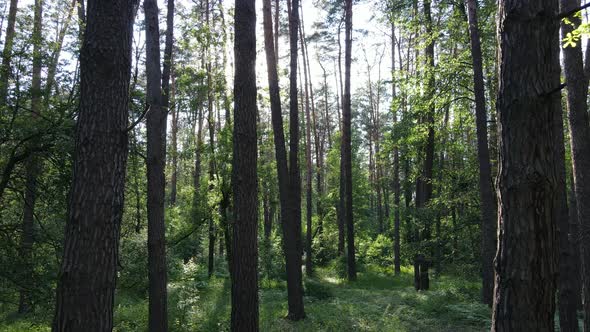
(375, 302)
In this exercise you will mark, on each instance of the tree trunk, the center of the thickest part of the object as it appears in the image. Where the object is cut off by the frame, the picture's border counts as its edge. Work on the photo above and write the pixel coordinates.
(244, 312)
(32, 168)
(424, 181)
(486, 196)
(529, 181)
(308, 164)
(289, 201)
(168, 95)
(54, 59)
(396, 180)
(575, 245)
(347, 145)
(7, 52)
(577, 91)
(156, 163)
(86, 283)
(174, 111)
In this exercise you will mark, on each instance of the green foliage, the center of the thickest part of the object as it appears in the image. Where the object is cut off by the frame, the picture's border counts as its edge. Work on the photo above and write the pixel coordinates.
(579, 30)
(380, 251)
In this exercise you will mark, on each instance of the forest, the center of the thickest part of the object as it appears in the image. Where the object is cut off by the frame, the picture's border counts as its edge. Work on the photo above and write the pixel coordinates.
(294, 165)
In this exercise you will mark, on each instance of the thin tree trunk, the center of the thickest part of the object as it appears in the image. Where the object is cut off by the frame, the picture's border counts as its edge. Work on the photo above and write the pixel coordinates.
(168, 95)
(526, 263)
(327, 108)
(54, 59)
(486, 196)
(32, 167)
(577, 91)
(7, 52)
(289, 201)
(396, 181)
(244, 312)
(424, 181)
(87, 279)
(156, 164)
(173, 110)
(347, 145)
(575, 245)
(308, 164)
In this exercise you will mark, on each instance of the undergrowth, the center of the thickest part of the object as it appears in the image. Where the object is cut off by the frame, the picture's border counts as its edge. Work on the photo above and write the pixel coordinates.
(377, 301)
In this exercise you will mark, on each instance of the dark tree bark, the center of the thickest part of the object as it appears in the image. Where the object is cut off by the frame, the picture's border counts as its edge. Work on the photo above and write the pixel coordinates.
(486, 196)
(168, 95)
(7, 52)
(289, 200)
(577, 92)
(293, 241)
(529, 184)
(424, 181)
(156, 183)
(32, 166)
(575, 244)
(86, 283)
(244, 312)
(347, 144)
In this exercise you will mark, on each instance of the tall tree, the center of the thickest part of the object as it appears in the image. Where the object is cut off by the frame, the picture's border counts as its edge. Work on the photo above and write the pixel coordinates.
(32, 164)
(579, 129)
(424, 181)
(396, 180)
(156, 164)
(87, 279)
(308, 163)
(346, 147)
(289, 181)
(486, 196)
(7, 51)
(168, 95)
(244, 312)
(529, 111)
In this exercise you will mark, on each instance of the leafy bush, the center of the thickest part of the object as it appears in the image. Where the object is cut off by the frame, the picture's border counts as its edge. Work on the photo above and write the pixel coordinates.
(380, 251)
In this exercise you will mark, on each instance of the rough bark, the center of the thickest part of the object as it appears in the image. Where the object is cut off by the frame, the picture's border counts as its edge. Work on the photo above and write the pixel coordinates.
(529, 112)
(244, 312)
(347, 145)
(156, 163)
(486, 196)
(87, 278)
(577, 91)
(289, 201)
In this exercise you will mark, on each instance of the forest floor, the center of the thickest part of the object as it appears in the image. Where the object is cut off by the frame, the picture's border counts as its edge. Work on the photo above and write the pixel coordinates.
(375, 302)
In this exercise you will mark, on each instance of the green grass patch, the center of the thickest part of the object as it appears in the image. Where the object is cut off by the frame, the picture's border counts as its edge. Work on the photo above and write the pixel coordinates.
(377, 301)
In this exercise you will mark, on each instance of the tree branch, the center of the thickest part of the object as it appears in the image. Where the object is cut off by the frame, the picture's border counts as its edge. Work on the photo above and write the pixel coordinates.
(572, 12)
(136, 122)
